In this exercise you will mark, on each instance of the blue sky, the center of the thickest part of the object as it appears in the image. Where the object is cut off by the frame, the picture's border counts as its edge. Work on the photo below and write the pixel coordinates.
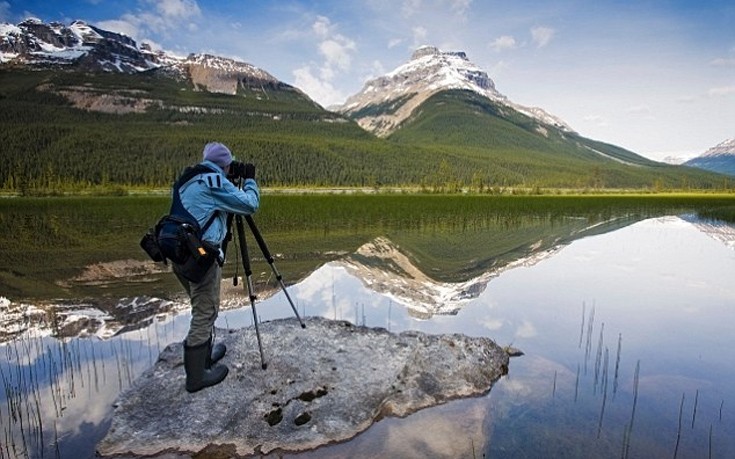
(656, 77)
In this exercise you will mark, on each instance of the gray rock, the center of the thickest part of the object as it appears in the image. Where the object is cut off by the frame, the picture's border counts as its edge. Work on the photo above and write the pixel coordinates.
(323, 384)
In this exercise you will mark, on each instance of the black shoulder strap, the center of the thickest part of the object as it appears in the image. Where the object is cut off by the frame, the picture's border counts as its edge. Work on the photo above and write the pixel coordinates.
(191, 172)
(177, 208)
(209, 222)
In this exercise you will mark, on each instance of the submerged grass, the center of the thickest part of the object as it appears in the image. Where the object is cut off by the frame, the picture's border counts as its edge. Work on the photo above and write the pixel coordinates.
(47, 240)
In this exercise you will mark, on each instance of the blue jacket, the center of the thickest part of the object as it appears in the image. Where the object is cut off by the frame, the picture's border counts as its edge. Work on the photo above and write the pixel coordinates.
(207, 193)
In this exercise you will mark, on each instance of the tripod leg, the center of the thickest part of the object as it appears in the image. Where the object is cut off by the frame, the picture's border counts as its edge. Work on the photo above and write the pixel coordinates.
(267, 254)
(249, 284)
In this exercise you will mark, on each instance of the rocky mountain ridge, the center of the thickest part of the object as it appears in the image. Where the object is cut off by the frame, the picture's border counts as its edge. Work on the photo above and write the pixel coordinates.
(386, 101)
(720, 158)
(84, 47)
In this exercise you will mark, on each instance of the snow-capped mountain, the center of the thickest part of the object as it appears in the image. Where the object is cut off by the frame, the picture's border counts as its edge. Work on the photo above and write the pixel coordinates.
(84, 47)
(80, 45)
(720, 158)
(675, 160)
(385, 102)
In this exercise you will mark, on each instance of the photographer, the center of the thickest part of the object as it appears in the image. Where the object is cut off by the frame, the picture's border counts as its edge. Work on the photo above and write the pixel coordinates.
(209, 197)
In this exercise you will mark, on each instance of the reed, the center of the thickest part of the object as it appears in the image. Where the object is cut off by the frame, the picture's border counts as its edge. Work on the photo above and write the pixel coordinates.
(588, 345)
(617, 365)
(678, 431)
(604, 393)
(581, 328)
(598, 358)
(40, 372)
(628, 431)
(694, 411)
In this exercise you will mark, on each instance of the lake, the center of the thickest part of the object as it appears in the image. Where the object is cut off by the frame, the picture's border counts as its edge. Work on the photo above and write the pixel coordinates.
(624, 317)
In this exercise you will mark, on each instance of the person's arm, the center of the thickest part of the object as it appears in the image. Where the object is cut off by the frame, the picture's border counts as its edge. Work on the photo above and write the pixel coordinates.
(231, 199)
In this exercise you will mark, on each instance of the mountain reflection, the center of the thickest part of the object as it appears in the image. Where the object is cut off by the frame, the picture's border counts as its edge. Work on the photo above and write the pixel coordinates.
(431, 271)
(716, 229)
(411, 273)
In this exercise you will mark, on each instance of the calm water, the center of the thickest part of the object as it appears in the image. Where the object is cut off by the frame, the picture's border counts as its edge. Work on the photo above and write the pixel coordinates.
(627, 338)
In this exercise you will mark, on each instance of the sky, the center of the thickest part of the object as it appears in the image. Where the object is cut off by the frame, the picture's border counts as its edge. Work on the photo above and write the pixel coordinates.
(654, 76)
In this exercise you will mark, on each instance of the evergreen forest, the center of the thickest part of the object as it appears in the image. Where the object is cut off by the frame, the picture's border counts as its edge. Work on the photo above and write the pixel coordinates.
(152, 126)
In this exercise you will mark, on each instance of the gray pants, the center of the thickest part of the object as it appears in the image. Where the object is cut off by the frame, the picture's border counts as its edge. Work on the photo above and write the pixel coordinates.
(204, 304)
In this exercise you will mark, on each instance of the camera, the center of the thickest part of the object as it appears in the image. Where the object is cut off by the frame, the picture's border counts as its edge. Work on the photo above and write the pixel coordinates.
(237, 170)
(240, 170)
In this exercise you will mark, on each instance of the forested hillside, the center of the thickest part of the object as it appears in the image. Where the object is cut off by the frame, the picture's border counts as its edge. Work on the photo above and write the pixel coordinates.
(70, 132)
(516, 146)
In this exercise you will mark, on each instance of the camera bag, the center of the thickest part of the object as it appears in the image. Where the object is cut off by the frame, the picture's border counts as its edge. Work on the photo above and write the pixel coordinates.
(178, 236)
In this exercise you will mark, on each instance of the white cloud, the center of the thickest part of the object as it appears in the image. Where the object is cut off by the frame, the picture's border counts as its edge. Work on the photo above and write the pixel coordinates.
(499, 68)
(721, 91)
(420, 35)
(334, 47)
(337, 50)
(503, 43)
(127, 25)
(321, 26)
(166, 16)
(542, 35)
(492, 324)
(394, 42)
(177, 9)
(461, 6)
(596, 120)
(723, 62)
(377, 69)
(639, 110)
(410, 7)
(526, 330)
(4, 11)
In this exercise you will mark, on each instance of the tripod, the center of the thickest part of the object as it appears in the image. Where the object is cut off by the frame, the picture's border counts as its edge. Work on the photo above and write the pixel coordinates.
(248, 272)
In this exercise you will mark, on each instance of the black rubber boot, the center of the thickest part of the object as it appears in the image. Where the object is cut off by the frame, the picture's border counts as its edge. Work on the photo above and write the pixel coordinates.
(216, 352)
(198, 376)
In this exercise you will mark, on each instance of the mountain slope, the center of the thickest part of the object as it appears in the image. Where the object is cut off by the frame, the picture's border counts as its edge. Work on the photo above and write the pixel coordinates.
(720, 158)
(514, 147)
(441, 100)
(87, 109)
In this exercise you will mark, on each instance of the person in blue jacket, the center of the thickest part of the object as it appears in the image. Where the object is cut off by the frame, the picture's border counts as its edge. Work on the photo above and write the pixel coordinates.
(203, 196)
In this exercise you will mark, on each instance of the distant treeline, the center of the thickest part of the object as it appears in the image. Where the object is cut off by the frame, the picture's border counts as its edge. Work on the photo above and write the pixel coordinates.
(47, 145)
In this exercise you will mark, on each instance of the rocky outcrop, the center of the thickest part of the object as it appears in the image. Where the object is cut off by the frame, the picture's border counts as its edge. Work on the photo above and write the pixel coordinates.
(323, 384)
(222, 75)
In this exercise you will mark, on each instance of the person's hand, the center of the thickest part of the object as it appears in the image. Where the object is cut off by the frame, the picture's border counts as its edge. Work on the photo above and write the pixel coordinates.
(249, 171)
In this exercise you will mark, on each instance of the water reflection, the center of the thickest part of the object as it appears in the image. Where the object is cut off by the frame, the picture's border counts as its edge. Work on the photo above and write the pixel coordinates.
(58, 393)
(626, 334)
(617, 329)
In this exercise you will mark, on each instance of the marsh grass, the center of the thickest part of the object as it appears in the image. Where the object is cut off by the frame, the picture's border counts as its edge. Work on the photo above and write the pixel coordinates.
(45, 380)
(48, 240)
